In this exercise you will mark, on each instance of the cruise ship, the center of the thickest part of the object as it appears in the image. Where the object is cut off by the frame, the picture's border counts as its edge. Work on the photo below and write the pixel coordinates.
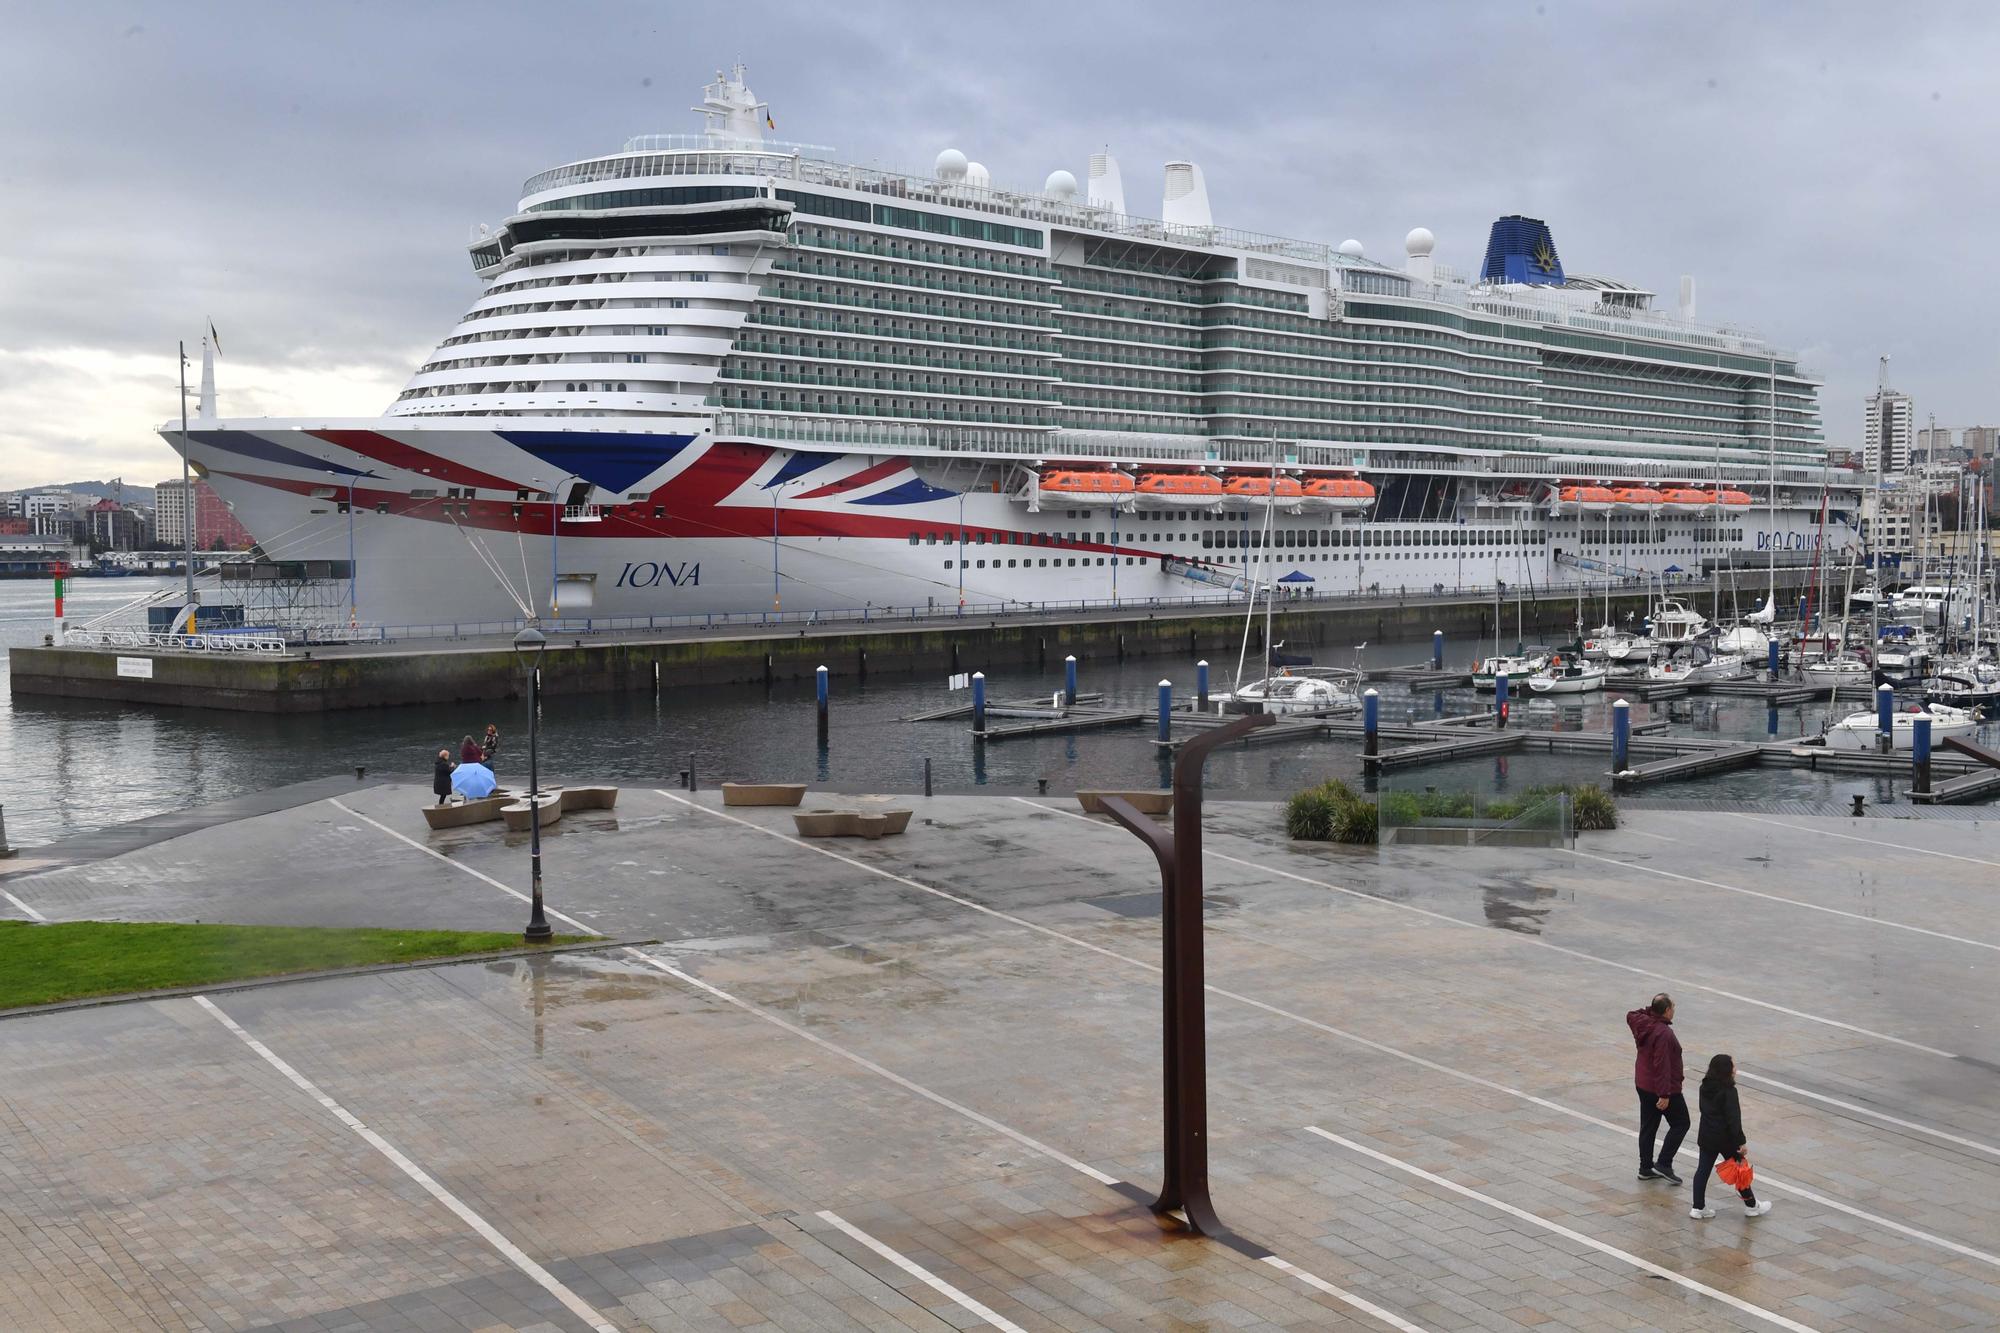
(719, 374)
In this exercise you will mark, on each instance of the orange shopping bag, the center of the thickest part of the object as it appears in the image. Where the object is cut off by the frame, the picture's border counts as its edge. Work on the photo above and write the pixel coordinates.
(1735, 1173)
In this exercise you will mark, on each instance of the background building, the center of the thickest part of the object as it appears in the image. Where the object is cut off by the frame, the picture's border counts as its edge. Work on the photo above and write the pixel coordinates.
(114, 527)
(215, 525)
(1888, 430)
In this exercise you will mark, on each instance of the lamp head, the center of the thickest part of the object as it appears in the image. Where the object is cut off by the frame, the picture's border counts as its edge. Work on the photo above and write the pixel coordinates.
(529, 643)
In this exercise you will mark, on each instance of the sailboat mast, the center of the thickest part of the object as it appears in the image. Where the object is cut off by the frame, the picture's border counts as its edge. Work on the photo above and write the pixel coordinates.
(1771, 436)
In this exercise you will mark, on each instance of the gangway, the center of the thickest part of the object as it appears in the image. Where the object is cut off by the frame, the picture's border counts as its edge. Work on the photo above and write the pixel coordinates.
(1233, 580)
(1600, 566)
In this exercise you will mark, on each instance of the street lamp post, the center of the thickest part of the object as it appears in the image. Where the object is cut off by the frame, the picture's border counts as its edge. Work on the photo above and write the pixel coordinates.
(530, 643)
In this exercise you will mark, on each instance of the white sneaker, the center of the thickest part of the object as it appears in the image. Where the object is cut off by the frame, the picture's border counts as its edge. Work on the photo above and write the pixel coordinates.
(1701, 1214)
(1757, 1209)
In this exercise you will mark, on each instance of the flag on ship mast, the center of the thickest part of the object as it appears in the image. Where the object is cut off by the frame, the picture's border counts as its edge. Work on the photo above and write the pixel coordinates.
(214, 338)
(768, 122)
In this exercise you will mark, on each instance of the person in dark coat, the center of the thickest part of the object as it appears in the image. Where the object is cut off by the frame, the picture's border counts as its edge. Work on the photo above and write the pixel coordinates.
(441, 775)
(489, 746)
(470, 753)
(1657, 1075)
(1721, 1135)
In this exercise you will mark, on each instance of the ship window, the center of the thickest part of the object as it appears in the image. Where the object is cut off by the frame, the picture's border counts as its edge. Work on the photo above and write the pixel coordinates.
(913, 539)
(930, 539)
(1012, 563)
(659, 511)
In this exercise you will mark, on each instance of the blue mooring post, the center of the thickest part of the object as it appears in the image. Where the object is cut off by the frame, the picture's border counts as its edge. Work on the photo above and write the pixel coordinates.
(1201, 684)
(979, 704)
(1771, 658)
(1500, 697)
(1621, 735)
(1371, 720)
(1437, 650)
(820, 686)
(1885, 715)
(1920, 755)
(1069, 681)
(1166, 709)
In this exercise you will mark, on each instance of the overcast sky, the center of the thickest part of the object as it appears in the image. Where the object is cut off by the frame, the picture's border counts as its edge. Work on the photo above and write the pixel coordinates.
(307, 175)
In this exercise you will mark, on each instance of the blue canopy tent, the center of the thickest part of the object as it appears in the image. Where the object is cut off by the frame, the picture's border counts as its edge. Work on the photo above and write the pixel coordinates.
(1297, 576)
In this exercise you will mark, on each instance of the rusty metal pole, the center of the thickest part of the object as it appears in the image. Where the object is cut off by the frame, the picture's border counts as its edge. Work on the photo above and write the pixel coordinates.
(1184, 1067)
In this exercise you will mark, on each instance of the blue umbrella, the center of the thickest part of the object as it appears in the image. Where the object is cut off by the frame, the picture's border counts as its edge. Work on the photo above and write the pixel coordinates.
(1297, 576)
(473, 781)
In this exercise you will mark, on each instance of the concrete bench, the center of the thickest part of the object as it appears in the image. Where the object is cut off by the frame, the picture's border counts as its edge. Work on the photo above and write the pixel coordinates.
(763, 793)
(556, 802)
(458, 814)
(1145, 802)
(850, 823)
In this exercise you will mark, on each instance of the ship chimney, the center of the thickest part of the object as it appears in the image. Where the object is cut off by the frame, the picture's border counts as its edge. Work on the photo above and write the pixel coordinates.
(1687, 297)
(1107, 187)
(1418, 246)
(1186, 202)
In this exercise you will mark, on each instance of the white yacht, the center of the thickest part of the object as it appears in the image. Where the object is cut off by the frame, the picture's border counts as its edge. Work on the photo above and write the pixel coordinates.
(1568, 675)
(1295, 690)
(1859, 731)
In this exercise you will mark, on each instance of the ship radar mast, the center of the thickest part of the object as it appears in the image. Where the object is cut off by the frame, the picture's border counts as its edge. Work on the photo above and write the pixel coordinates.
(730, 111)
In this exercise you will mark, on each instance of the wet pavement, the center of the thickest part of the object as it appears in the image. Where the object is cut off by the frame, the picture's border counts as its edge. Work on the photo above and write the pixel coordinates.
(914, 1083)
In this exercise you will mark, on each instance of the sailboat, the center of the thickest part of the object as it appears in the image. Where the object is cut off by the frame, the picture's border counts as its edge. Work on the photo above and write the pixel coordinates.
(1858, 731)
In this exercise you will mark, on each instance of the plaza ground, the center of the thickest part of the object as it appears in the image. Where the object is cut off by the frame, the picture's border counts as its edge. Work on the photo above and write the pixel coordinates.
(914, 1083)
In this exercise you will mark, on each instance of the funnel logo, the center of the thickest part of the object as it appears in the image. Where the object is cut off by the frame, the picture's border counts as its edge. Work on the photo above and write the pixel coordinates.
(1545, 256)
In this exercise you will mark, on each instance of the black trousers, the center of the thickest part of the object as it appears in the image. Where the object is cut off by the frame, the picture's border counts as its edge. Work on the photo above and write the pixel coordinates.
(1709, 1157)
(1650, 1116)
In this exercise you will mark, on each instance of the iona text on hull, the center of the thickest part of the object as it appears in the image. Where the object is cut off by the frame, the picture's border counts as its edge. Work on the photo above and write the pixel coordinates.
(720, 372)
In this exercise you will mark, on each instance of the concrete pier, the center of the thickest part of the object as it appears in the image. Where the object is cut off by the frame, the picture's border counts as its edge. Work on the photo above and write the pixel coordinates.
(332, 677)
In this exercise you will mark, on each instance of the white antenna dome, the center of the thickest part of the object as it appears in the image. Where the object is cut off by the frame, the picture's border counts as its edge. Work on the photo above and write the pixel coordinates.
(977, 175)
(951, 165)
(1419, 242)
(1061, 184)
(1351, 248)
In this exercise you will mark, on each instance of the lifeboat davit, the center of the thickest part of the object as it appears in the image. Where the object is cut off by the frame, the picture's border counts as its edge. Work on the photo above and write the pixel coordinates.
(1339, 493)
(1736, 499)
(1686, 498)
(1593, 499)
(1643, 498)
(1087, 489)
(1261, 490)
(1179, 490)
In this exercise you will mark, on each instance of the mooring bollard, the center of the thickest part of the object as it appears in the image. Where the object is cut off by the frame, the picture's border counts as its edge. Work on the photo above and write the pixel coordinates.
(1069, 682)
(1201, 684)
(979, 704)
(819, 685)
(360, 772)
(5, 850)
(1371, 720)
(1885, 716)
(1920, 755)
(1437, 650)
(1500, 698)
(1166, 710)
(690, 774)
(1771, 658)
(927, 776)
(1860, 803)
(1621, 735)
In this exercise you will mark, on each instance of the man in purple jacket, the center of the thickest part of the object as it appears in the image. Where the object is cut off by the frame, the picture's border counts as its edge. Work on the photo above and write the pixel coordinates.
(1657, 1075)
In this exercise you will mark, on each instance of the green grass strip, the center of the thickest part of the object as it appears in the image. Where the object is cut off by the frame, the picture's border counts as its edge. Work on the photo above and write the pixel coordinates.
(71, 960)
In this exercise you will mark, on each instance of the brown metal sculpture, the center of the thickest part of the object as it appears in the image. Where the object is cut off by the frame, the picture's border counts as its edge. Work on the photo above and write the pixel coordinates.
(1184, 1191)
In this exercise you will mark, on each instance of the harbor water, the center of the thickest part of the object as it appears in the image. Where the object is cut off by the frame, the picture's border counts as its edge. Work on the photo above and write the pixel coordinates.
(70, 766)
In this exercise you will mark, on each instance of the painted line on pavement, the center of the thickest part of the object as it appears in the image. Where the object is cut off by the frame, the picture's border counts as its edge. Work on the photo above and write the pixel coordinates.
(487, 1232)
(1291, 1016)
(1448, 919)
(1523, 1215)
(33, 915)
(1358, 1302)
(1875, 842)
(1794, 902)
(924, 1275)
(460, 865)
(1883, 1116)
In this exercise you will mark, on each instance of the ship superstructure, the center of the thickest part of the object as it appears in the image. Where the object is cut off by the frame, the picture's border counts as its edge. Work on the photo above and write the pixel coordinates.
(723, 374)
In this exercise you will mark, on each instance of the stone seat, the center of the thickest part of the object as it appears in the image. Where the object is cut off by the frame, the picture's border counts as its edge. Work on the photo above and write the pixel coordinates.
(1145, 802)
(763, 793)
(458, 814)
(556, 802)
(850, 823)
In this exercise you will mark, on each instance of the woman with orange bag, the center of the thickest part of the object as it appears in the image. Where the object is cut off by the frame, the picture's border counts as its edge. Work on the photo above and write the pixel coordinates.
(1721, 1136)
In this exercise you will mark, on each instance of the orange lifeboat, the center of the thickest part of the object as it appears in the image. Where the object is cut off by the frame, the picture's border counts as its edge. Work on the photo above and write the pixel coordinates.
(1260, 490)
(1087, 489)
(1594, 499)
(1736, 499)
(1342, 493)
(1638, 497)
(1686, 498)
(1179, 490)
